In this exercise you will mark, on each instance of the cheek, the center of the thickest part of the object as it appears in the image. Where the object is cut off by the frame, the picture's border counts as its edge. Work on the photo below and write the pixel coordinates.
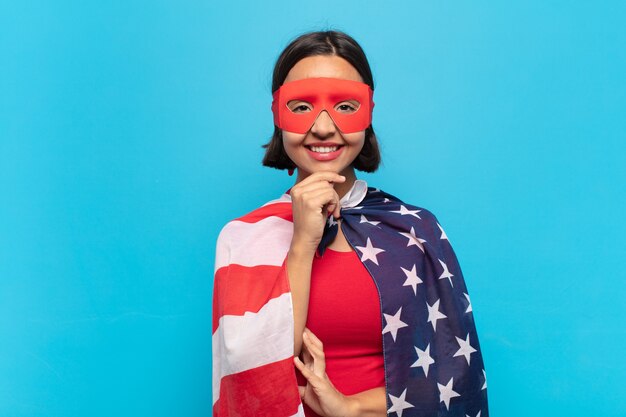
(291, 142)
(291, 139)
(357, 139)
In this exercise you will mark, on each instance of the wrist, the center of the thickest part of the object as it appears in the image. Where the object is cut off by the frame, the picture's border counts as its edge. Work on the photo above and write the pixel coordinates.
(301, 249)
(353, 408)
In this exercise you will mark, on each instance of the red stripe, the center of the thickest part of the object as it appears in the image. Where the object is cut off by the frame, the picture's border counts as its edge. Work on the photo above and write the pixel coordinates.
(269, 390)
(238, 289)
(282, 210)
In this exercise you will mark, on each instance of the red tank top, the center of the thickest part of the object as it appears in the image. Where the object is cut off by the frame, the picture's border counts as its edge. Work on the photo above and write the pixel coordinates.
(344, 313)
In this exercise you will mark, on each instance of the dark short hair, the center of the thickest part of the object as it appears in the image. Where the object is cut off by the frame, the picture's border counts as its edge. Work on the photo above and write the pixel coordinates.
(322, 43)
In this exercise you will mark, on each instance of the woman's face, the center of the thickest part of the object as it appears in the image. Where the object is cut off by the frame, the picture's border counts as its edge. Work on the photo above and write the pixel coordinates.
(310, 150)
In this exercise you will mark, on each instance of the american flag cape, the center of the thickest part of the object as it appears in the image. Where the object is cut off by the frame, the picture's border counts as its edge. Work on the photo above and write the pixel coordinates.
(433, 362)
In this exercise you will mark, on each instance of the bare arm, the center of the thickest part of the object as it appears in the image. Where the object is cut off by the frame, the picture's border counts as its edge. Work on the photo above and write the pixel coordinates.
(370, 403)
(299, 263)
(313, 199)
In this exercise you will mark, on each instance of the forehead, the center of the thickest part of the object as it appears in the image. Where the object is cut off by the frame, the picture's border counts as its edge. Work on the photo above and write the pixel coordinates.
(329, 66)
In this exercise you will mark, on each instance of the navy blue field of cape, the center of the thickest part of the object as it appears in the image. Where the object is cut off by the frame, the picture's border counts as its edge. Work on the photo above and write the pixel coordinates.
(433, 362)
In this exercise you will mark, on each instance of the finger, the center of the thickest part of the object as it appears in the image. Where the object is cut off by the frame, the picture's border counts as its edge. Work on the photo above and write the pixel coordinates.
(307, 358)
(331, 208)
(309, 186)
(319, 199)
(314, 345)
(314, 338)
(307, 373)
(334, 203)
(323, 176)
(319, 360)
(323, 194)
(299, 190)
(337, 207)
(327, 175)
(327, 195)
(308, 397)
(337, 212)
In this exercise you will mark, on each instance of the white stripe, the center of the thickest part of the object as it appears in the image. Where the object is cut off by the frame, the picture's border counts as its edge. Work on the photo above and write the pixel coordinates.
(265, 242)
(300, 412)
(252, 340)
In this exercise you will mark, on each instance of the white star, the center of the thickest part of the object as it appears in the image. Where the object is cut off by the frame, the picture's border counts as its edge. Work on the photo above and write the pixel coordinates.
(331, 221)
(446, 393)
(411, 279)
(403, 211)
(464, 348)
(398, 404)
(443, 234)
(423, 359)
(477, 415)
(386, 200)
(485, 384)
(446, 273)
(375, 190)
(414, 240)
(369, 252)
(358, 207)
(469, 307)
(364, 220)
(434, 314)
(393, 323)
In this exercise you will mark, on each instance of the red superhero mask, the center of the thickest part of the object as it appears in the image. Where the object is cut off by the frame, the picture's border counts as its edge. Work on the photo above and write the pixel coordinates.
(319, 94)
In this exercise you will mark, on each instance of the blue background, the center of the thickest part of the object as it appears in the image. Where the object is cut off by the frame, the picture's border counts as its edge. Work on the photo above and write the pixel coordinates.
(131, 132)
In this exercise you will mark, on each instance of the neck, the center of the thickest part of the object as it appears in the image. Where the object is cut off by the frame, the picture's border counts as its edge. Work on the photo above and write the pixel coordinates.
(340, 187)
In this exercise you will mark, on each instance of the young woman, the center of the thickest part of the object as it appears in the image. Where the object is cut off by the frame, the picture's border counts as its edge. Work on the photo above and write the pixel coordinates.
(338, 299)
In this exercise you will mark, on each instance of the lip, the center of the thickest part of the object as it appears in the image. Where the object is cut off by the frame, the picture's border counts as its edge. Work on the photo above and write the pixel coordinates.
(328, 156)
(329, 144)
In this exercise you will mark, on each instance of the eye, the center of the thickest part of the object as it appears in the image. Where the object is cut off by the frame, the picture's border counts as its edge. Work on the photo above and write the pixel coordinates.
(298, 106)
(347, 107)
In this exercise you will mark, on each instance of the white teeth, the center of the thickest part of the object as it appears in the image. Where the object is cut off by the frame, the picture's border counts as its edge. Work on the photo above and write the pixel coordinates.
(324, 149)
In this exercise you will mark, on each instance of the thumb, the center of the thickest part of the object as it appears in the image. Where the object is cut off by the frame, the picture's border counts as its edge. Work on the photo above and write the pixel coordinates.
(337, 213)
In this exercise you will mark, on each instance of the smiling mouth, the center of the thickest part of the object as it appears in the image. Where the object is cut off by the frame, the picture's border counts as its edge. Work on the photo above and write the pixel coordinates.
(324, 149)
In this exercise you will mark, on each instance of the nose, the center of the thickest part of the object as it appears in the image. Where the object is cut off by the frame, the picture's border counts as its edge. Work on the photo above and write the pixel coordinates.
(323, 125)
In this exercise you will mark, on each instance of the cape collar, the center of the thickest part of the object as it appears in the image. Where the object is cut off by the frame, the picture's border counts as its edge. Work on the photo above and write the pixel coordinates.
(355, 195)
